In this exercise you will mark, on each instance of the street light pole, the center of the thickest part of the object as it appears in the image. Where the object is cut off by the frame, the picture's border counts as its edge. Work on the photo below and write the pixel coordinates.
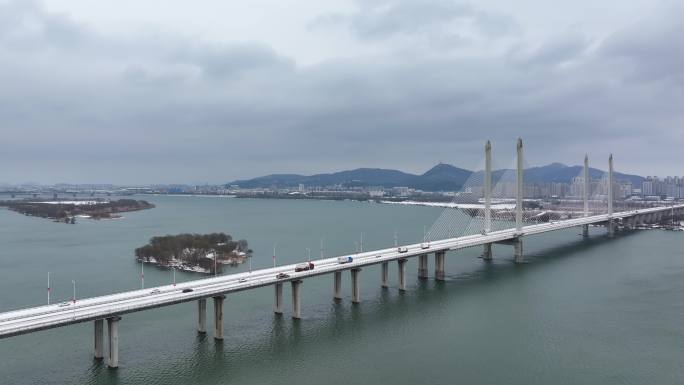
(142, 273)
(174, 275)
(48, 288)
(74, 297)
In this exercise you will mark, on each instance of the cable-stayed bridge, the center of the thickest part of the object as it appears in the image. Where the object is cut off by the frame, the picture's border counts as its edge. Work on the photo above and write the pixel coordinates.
(112, 307)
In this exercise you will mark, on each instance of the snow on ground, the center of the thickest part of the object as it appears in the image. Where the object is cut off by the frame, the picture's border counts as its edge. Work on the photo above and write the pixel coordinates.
(495, 206)
(179, 265)
(77, 203)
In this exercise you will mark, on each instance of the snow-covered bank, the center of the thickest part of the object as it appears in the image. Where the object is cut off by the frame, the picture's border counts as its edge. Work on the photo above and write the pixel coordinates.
(452, 205)
(75, 203)
(178, 265)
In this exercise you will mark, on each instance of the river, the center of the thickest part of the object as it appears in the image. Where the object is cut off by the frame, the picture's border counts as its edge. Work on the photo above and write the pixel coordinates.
(578, 311)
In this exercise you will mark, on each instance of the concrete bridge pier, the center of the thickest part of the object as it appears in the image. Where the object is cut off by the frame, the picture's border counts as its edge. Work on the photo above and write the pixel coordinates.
(218, 317)
(99, 338)
(518, 250)
(439, 265)
(423, 266)
(611, 228)
(337, 286)
(355, 285)
(487, 253)
(113, 334)
(278, 304)
(401, 263)
(585, 231)
(384, 276)
(202, 315)
(296, 312)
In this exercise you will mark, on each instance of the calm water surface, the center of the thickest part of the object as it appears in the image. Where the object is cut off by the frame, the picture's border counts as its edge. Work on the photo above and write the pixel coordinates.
(594, 311)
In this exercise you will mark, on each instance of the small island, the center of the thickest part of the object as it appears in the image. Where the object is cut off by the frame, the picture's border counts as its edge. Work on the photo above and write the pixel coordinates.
(68, 211)
(202, 253)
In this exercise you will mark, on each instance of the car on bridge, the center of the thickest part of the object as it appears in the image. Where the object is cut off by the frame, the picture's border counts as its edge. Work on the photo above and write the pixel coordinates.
(282, 276)
(304, 267)
(188, 290)
(402, 249)
(344, 260)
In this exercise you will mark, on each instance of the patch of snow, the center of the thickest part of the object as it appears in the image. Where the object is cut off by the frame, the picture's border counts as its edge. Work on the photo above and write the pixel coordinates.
(77, 203)
(495, 206)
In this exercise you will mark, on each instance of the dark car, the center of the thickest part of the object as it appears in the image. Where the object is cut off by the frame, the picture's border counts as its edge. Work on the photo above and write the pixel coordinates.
(304, 267)
(188, 290)
(282, 276)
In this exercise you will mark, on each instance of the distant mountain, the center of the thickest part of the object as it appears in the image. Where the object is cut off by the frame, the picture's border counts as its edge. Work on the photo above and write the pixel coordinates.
(442, 177)
(558, 172)
(358, 177)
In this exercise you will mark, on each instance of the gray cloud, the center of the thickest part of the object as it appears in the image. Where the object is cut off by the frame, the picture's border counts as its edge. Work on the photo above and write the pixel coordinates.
(82, 106)
(437, 18)
(559, 50)
(652, 51)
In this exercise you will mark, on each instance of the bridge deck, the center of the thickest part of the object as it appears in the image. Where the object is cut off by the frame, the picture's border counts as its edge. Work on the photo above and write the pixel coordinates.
(50, 316)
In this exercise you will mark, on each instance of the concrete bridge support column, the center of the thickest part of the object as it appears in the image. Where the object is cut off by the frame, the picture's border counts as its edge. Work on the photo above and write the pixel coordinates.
(439, 265)
(585, 231)
(401, 263)
(202, 315)
(611, 228)
(278, 304)
(337, 286)
(423, 266)
(113, 334)
(296, 312)
(99, 339)
(384, 276)
(218, 317)
(487, 253)
(355, 285)
(518, 250)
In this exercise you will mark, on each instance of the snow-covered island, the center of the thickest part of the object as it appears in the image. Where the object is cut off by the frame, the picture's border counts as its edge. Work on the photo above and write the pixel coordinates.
(68, 211)
(201, 253)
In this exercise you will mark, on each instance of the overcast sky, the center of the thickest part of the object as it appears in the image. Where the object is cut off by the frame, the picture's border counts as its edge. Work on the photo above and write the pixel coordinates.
(161, 91)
